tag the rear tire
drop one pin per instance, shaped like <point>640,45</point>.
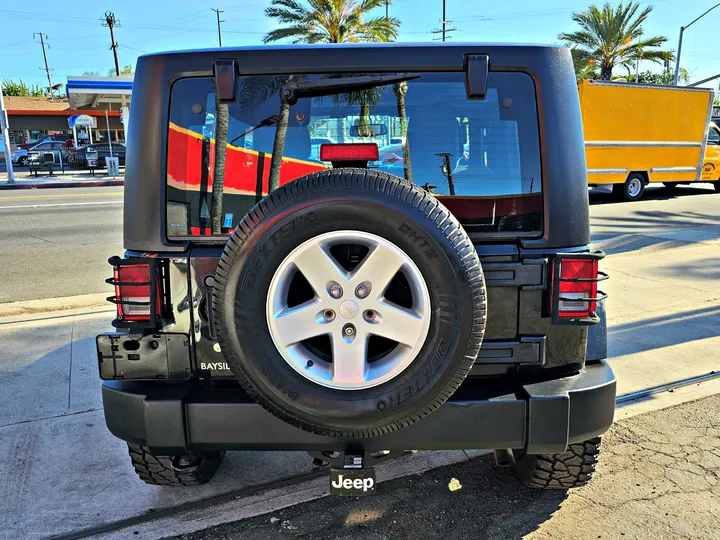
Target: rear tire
<point>570,469</point>
<point>190,470</point>
<point>632,189</point>
<point>716,185</point>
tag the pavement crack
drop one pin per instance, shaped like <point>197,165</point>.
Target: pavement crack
<point>48,418</point>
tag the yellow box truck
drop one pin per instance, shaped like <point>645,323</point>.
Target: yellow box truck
<point>636,134</point>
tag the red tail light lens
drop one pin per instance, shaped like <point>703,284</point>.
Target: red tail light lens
<point>582,275</point>
<point>574,290</point>
<point>349,152</point>
<point>137,294</point>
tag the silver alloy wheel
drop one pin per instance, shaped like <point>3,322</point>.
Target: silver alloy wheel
<point>353,317</point>
<point>634,187</point>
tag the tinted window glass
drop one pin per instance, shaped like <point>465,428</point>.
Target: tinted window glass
<point>481,157</point>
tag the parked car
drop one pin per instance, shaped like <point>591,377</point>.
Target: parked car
<point>22,157</point>
<point>351,313</point>
<point>47,138</point>
<point>78,158</point>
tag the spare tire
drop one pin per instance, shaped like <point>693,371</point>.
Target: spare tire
<point>349,303</point>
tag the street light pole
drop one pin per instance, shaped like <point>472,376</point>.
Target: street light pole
<point>682,30</point>
<point>6,139</point>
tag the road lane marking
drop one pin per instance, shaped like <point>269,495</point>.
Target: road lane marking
<point>61,204</point>
<point>61,195</point>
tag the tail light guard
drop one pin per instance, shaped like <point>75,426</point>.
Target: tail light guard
<point>574,293</point>
<point>154,297</point>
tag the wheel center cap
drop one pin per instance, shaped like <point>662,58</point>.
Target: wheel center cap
<point>349,309</point>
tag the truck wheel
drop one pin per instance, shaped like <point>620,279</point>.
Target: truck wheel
<point>190,470</point>
<point>349,303</point>
<point>23,161</point>
<point>716,184</point>
<point>569,469</point>
<point>632,189</point>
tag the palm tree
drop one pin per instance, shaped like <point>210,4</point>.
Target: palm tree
<point>330,21</point>
<point>325,21</point>
<point>222,123</point>
<point>400,90</point>
<point>613,36</point>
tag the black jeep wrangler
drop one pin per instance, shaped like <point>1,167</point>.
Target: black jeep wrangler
<point>420,279</point>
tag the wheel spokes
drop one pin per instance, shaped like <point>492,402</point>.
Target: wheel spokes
<point>378,267</point>
<point>397,323</point>
<point>296,324</point>
<point>349,359</point>
<point>319,267</point>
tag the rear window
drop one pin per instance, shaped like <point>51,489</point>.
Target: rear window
<point>480,157</point>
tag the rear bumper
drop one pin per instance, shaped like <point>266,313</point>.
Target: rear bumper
<point>544,417</point>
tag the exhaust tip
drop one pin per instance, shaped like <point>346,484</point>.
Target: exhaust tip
<point>504,457</point>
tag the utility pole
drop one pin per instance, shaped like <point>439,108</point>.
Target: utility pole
<point>6,138</point>
<point>218,12</point>
<point>43,37</point>
<point>387,9</point>
<point>445,28</point>
<point>111,22</point>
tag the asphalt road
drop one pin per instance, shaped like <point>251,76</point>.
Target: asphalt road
<point>56,242</point>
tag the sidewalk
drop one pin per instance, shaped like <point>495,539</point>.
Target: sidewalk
<point>25,180</point>
<point>658,478</point>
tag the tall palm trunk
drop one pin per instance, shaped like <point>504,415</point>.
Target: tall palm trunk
<point>400,90</point>
<point>279,146</point>
<point>222,121</point>
<point>606,71</point>
<point>341,130</point>
<point>364,120</point>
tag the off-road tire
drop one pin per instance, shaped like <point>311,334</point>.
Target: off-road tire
<point>570,469</point>
<point>159,470</point>
<point>389,207</point>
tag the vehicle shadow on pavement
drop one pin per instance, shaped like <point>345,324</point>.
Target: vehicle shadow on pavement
<point>653,193</point>
<point>664,330</point>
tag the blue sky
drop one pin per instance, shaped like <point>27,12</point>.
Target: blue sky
<point>79,43</point>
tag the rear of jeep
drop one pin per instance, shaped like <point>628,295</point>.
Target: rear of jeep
<point>365,297</point>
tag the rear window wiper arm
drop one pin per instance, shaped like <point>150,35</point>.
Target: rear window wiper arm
<point>293,91</point>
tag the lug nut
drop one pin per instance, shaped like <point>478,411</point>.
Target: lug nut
<point>362,291</point>
<point>349,330</point>
<point>370,315</point>
<point>335,290</point>
<point>329,315</point>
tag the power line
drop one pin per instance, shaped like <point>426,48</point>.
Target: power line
<point>43,37</point>
<point>218,12</point>
<point>446,25</point>
<point>111,22</point>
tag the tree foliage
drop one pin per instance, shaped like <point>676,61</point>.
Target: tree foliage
<point>612,36</point>
<point>330,21</point>
<point>20,88</point>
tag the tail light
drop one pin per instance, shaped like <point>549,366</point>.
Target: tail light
<point>574,288</point>
<point>356,152</point>
<point>138,296</point>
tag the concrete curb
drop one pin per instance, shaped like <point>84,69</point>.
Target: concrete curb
<point>71,184</point>
<point>29,307</point>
